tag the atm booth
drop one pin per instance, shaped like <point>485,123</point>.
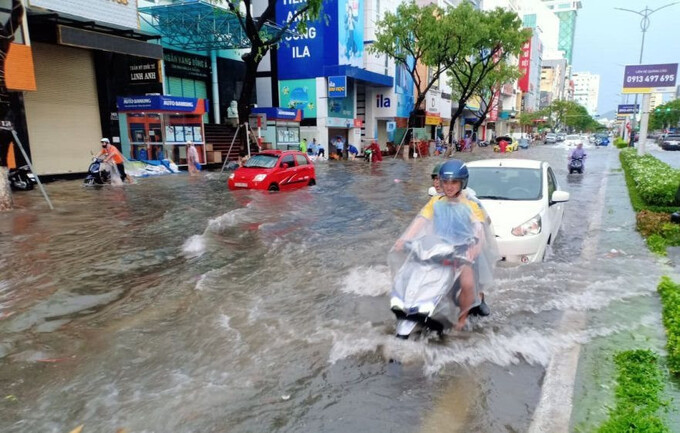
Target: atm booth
<point>157,127</point>
<point>278,127</point>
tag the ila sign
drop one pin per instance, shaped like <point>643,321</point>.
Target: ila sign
<point>337,86</point>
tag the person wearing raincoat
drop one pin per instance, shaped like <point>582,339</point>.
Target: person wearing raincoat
<point>457,218</point>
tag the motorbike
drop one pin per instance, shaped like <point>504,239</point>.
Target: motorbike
<point>426,286</point>
<point>483,143</point>
<point>98,173</point>
<point>21,179</point>
<point>576,165</point>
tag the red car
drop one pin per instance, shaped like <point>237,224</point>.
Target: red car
<point>274,170</point>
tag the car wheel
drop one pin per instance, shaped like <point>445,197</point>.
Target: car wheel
<point>312,182</point>
<point>273,187</point>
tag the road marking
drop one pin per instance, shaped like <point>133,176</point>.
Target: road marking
<point>553,412</point>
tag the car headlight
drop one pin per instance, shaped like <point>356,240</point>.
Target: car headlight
<point>259,178</point>
<point>231,176</point>
<point>529,228</point>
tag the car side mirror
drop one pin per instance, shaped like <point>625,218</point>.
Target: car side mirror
<point>559,197</point>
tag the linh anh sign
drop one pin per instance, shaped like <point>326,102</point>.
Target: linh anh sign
<point>650,78</point>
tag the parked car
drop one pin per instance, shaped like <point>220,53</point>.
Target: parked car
<point>573,140</point>
<point>512,146</point>
<point>550,138</point>
<point>274,170</point>
<point>525,203</point>
<point>671,142</point>
<point>561,136</point>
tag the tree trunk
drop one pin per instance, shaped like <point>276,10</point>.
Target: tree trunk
<point>246,97</point>
<point>455,117</point>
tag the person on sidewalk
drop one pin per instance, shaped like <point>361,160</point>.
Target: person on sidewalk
<point>193,163</point>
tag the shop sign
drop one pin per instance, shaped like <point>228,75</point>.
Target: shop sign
<point>650,78</point>
<point>144,71</point>
<point>432,119</point>
<point>276,113</point>
<point>183,65</point>
<point>525,66</point>
<point>118,12</point>
<point>391,126</point>
<point>628,109</point>
<point>158,103</point>
<point>432,98</point>
<point>337,86</point>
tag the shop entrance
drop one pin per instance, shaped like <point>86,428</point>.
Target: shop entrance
<point>333,135</point>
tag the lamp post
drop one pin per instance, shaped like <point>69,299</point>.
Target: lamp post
<point>644,25</point>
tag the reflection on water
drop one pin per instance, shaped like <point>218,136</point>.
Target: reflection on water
<point>176,305</point>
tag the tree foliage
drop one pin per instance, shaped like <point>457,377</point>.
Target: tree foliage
<point>665,116</point>
<point>568,115</point>
<point>491,38</point>
<point>416,36</point>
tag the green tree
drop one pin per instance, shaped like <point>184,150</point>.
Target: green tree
<point>501,74</point>
<point>7,32</point>
<point>665,116</point>
<point>261,41</point>
<point>420,38</point>
<point>489,38</point>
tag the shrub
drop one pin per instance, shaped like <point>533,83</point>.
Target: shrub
<point>639,385</point>
<point>620,143</point>
<point>649,223</point>
<point>657,244</point>
<point>670,300</point>
<point>655,182</point>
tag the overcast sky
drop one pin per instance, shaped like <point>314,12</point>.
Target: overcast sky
<point>606,39</point>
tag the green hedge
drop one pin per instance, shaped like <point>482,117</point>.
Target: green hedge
<point>620,143</point>
<point>638,389</point>
<point>670,298</point>
<point>655,182</point>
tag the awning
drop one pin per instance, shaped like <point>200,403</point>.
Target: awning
<point>358,74</point>
<point>199,25</point>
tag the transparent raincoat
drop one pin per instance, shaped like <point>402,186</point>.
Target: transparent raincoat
<point>427,260</point>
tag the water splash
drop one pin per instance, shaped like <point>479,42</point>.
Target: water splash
<point>195,246</point>
<point>368,281</point>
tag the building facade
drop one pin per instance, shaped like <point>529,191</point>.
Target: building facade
<point>567,12</point>
<point>586,90</point>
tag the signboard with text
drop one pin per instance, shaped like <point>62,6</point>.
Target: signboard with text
<point>161,103</point>
<point>650,78</point>
<point>524,66</point>
<point>337,86</point>
<point>119,12</point>
<point>628,109</point>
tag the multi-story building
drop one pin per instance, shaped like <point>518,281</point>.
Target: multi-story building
<point>586,90</point>
<point>655,99</point>
<point>567,12</point>
<point>553,81</point>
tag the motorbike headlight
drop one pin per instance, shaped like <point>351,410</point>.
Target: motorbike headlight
<point>231,176</point>
<point>529,228</point>
<point>259,178</point>
<point>426,308</point>
<point>396,303</point>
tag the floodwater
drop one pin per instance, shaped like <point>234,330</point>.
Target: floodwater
<point>174,305</point>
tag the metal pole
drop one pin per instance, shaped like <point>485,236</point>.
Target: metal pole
<point>28,161</point>
<point>226,157</point>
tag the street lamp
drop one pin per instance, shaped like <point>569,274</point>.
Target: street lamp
<point>644,25</point>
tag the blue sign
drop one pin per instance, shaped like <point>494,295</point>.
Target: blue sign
<point>337,87</point>
<point>628,109</point>
<point>350,32</point>
<point>160,103</point>
<point>278,113</point>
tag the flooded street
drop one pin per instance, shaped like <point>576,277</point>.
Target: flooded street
<point>175,305</point>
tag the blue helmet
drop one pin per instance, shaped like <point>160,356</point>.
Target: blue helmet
<point>454,169</point>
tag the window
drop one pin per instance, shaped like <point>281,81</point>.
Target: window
<point>301,160</point>
<point>552,183</point>
<point>288,159</point>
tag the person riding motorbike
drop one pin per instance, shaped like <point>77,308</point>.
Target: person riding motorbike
<point>577,153</point>
<point>457,219</point>
<point>436,188</point>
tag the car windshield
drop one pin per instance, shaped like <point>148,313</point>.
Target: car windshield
<point>506,183</point>
<point>673,137</point>
<point>573,137</point>
<point>550,134</point>
<point>262,161</point>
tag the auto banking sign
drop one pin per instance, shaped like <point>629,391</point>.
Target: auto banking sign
<point>118,12</point>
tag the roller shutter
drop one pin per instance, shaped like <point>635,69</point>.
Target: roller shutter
<point>63,114</point>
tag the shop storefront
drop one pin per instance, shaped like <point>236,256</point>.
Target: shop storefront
<point>280,128</point>
<point>188,75</point>
<point>159,127</point>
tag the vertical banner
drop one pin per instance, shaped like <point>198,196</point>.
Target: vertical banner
<point>493,113</point>
<point>350,32</point>
<point>525,66</point>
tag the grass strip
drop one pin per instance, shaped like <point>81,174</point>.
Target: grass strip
<point>670,300</point>
<point>638,389</point>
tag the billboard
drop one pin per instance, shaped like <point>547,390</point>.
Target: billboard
<point>650,78</point>
<point>350,33</point>
<point>300,95</point>
<point>118,12</point>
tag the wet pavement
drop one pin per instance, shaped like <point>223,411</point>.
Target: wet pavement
<point>176,305</point>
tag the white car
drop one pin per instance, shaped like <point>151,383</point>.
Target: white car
<point>525,203</point>
<point>573,140</point>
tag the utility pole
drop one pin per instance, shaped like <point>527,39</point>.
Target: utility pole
<point>644,26</point>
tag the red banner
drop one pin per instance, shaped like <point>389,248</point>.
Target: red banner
<point>493,113</point>
<point>524,66</point>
